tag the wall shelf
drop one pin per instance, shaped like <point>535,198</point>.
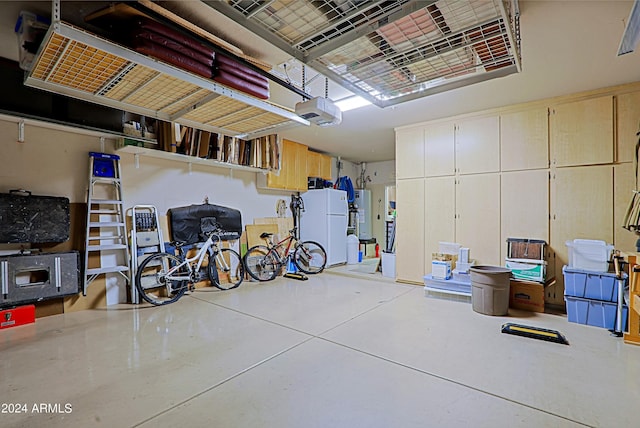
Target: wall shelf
<point>81,65</point>
<point>193,160</point>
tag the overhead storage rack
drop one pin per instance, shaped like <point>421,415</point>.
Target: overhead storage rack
<point>390,51</point>
<point>76,63</point>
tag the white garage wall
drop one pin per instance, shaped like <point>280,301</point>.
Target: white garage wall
<point>168,184</point>
<point>54,162</point>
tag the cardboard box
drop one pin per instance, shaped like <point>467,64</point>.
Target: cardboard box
<point>440,269</point>
<point>519,248</point>
<point>444,257</point>
<point>526,295</point>
<point>526,269</point>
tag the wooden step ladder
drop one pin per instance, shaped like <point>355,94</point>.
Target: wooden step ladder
<point>106,232</point>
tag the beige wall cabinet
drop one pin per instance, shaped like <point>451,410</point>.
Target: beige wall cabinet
<point>410,153</point>
<point>628,124</point>
<point>318,165</point>
<point>410,230</point>
<point>623,184</point>
<point>524,206</point>
<point>439,150</point>
<point>524,141</point>
<point>293,169</point>
<point>581,207</point>
<point>478,216</point>
<point>478,145</point>
<point>581,132</point>
<point>440,211</point>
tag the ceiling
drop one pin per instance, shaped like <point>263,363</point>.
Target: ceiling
<point>566,47</point>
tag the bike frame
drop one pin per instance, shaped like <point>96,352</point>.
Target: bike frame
<point>189,260</point>
<point>280,244</point>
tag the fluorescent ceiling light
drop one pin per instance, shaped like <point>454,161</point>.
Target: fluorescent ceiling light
<point>631,32</point>
<point>351,103</point>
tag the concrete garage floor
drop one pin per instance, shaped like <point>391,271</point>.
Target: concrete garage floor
<point>333,351</point>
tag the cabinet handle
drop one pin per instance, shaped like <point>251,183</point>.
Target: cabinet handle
<point>4,277</point>
<point>57,273</point>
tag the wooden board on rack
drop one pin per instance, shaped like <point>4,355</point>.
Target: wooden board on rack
<point>255,230</point>
<point>285,224</point>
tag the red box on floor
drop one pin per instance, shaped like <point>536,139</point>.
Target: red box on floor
<point>17,316</point>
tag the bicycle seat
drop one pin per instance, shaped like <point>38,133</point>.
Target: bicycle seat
<point>264,235</point>
<point>178,244</point>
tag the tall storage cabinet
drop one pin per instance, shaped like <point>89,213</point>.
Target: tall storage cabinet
<point>460,167</point>
<point>478,145</point>
<point>440,212</point>
<point>439,150</point>
<point>410,230</point>
<point>553,170</point>
<point>410,153</point>
<point>524,204</point>
<point>478,216</point>
<point>524,140</point>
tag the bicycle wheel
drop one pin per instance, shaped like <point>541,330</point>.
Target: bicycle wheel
<point>261,263</point>
<point>310,257</point>
<point>226,270</point>
<point>152,283</point>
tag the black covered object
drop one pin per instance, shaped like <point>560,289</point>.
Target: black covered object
<point>189,223</point>
<point>26,218</point>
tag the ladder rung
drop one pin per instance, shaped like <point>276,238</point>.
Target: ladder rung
<point>105,202</point>
<point>104,237</point>
<point>109,180</point>
<point>106,247</point>
<point>106,224</point>
<point>108,269</point>
<point>104,211</point>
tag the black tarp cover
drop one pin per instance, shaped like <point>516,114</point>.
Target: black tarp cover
<point>187,224</point>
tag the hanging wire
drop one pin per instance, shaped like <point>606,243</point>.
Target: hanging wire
<point>286,73</point>
<point>304,78</point>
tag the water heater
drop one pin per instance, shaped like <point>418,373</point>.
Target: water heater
<point>363,201</point>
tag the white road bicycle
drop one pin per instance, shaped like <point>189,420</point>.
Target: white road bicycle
<point>163,278</point>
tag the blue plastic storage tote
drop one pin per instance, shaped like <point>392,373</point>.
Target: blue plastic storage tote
<point>594,312</point>
<point>591,285</point>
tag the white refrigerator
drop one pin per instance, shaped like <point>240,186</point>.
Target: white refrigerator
<point>324,220</point>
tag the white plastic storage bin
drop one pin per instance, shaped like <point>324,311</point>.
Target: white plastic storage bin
<point>589,254</point>
<point>30,29</point>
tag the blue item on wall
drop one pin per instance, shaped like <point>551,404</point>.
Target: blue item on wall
<point>344,183</point>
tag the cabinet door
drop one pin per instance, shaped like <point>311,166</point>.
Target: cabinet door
<point>410,230</point>
<point>297,180</point>
<point>410,153</point>
<point>478,216</point>
<point>313,164</point>
<point>478,145</point>
<point>280,180</point>
<point>628,124</point>
<point>325,167</point>
<point>439,149</point>
<point>581,207</point>
<point>623,183</point>
<point>581,132</point>
<point>440,212</point>
<point>524,206</point>
<point>524,140</point>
